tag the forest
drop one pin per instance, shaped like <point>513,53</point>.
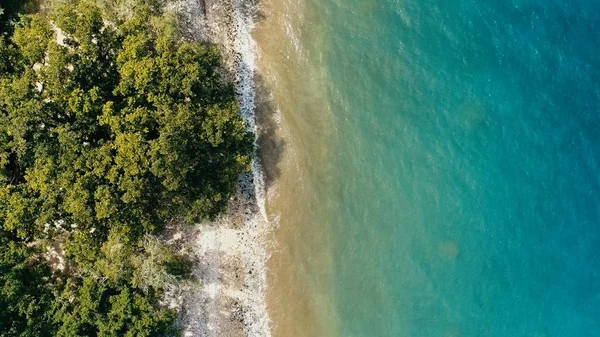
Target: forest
<point>111,127</point>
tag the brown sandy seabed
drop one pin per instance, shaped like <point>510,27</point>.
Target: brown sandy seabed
<point>294,152</point>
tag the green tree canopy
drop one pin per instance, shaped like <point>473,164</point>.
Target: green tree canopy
<point>25,293</point>
<point>10,10</point>
<point>106,126</point>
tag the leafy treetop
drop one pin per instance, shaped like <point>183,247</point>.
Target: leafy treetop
<point>106,126</point>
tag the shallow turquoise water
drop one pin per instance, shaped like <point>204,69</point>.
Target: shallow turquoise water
<point>465,199</point>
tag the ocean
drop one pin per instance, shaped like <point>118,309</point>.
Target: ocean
<point>434,168</point>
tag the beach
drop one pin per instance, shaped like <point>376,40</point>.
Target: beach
<point>249,262</point>
<point>422,169</point>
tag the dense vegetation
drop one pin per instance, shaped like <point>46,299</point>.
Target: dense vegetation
<point>11,9</point>
<point>109,129</point>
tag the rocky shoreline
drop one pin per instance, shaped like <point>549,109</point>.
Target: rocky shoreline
<point>229,254</point>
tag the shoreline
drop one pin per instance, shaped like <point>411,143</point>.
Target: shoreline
<point>296,161</point>
<point>230,254</point>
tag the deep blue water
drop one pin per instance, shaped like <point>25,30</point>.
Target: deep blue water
<point>466,197</point>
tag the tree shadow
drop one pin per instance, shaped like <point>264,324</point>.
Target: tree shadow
<point>12,9</point>
<point>270,144</point>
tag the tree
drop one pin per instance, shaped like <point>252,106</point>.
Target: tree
<point>124,125</point>
<point>25,297</point>
<point>93,307</point>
